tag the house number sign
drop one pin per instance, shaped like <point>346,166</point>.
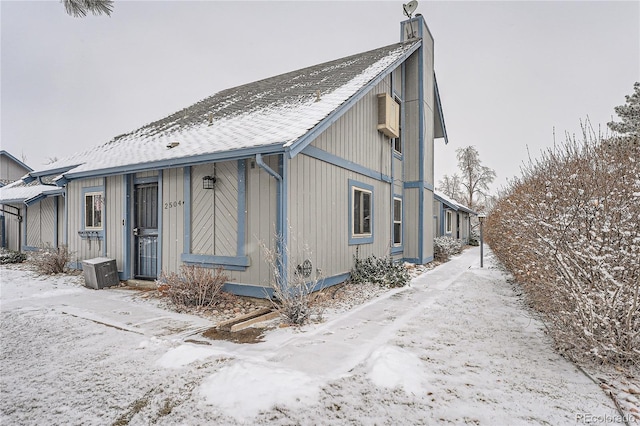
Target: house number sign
<point>172,204</point>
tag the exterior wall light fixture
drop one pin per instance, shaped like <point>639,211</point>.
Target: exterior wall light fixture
<point>208,182</point>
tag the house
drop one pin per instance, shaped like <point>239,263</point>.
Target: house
<point>451,218</point>
<point>12,209</point>
<point>317,165</point>
<point>33,215</point>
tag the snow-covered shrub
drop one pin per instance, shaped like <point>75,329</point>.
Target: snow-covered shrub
<point>379,270</point>
<point>11,256</point>
<point>51,260</point>
<point>569,231</point>
<point>474,238</point>
<point>193,286</point>
<point>444,247</point>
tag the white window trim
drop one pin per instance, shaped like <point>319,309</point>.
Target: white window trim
<point>93,194</point>
<point>448,219</point>
<point>353,212</point>
<point>395,222</point>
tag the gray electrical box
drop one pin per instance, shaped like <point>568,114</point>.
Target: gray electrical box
<point>100,272</point>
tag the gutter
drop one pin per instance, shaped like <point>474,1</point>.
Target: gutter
<point>281,240</point>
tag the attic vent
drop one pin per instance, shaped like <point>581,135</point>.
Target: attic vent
<point>388,116</point>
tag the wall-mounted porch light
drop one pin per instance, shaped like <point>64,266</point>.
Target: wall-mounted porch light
<point>208,182</point>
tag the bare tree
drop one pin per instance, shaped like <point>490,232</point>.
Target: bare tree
<point>475,177</point>
<point>80,8</point>
<point>450,186</point>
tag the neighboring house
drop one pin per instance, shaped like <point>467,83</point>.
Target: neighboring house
<point>319,165</point>
<point>11,170</point>
<point>34,214</point>
<point>451,218</point>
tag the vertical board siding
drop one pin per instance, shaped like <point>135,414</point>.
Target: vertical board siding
<point>172,218</point>
<point>61,202</point>
<point>33,225</point>
<point>12,228</point>
<point>261,222</point>
<point>202,214</point>
<point>81,248</point>
<point>355,137</point>
<point>320,231</point>
<point>47,222</point>
<point>214,226</point>
<point>114,218</point>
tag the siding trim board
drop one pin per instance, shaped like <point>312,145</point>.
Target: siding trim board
<point>299,145</point>
<point>264,292</point>
<point>322,155</point>
<point>240,262</point>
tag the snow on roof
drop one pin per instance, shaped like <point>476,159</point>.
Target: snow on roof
<point>275,111</point>
<point>18,191</point>
<point>452,203</point>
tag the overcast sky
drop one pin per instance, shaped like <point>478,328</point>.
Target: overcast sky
<point>508,72</point>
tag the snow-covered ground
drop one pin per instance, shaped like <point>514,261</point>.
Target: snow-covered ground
<point>457,346</point>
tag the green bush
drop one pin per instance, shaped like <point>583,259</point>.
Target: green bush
<point>11,256</point>
<point>379,270</point>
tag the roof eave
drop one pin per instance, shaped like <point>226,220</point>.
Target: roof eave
<point>303,141</point>
<point>441,128</point>
<point>229,155</point>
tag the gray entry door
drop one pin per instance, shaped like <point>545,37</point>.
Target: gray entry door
<point>145,231</point>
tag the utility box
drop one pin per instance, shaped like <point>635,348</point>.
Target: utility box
<point>100,272</point>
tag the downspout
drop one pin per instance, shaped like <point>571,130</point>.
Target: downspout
<point>280,220</point>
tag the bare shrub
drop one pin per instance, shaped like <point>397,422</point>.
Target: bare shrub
<point>444,247</point>
<point>292,291</point>
<point>193,286</point>
<point>569,231</point>
<point>51,260</point>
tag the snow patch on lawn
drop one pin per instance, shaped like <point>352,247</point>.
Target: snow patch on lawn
<point>392,367</point>
<point>185,355</point>
<point>257,387</point>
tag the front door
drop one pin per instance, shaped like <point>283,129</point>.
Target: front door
<point>145,231</point>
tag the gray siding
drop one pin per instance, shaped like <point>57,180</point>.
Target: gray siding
<point>79,247</point>
<point>12,227</point>
<point>354,136</point>
<point>114,216</point>
<point>9,170</point>
<point>319,209</point>
<point>40,224</point>
<point>261,222</point>
<point>172,230</point>
<point>214,213</point>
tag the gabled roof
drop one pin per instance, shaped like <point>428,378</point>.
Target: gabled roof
<point>452,204</point>
<point>266,116</point>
